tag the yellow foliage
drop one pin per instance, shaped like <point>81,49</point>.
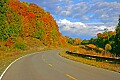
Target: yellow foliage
<point>101,49</point>
<point>82,50</point>
<point>92,46</point>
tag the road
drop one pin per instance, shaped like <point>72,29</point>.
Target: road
<point>48,65</point>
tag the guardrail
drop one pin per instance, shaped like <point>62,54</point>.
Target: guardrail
<point>101,58</point>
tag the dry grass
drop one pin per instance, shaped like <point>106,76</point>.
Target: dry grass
<point>113,67</point>
<point>78,49</point>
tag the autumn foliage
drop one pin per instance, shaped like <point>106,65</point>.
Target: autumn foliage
<point>24,20</point>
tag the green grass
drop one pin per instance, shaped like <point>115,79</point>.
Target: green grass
<point>20,46</point>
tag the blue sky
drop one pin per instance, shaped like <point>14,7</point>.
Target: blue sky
<point>82,18</point>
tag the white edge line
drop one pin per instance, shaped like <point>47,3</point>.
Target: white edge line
<point>13,63</point>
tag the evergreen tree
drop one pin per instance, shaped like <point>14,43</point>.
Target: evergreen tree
<point>117,39</point>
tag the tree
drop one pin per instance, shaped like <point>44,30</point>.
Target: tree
<point>118,31</point>
<point>119,19</point>
<point>108,47</point>
<point>3,18</point>
<point>70,41</point>
<point>77,41</point>
<point>117,38</point>
<point>85,42</point>
<point>27,20</point>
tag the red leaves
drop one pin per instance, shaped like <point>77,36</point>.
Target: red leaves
<point>34,17</point>
<point>99,34</point>
<point>105,35</point>
<point>45,20</point>
<point>31,15</point>
<point>9,42</point>
<point>14,4</point>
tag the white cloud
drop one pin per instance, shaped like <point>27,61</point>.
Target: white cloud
<point>106,12</point>
<point>84,10</point>
<point>96,15</point>
<point>67,1</point>
<point>66,13</point>
<point>80,29</point>
<point>100,23</point>
<point>75,10</point>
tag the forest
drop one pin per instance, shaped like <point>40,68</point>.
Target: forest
<point>24,25</point>
<point>21,22</point>
<point>108,40</point>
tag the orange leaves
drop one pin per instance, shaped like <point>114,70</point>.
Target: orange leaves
<point>45,20</point>
<point>9,42</point>
<point>31,15</point>
<point>105,35</point>
<point>33,20</point>
<point>92,46</point>
<point>74,48</point>
<point>13,5</point>
<point>77,41</point>
<point>29,26</point>
<point>17,6</point>
<point>99,34</point>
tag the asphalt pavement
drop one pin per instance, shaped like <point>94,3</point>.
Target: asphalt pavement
<point>48,65</point>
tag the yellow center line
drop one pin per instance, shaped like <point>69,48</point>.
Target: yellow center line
<point>71,77</point>
<point>50,65</point>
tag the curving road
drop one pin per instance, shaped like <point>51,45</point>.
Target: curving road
<point>48,65</point>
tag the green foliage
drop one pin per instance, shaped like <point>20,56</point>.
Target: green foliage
<point>85,42</point>
<point>54,32</point>
<point>108,47</point>
<point>20,19</point>
<point>70,41</point>
<point>20,46</point>
<point>7,49</point>
<point>10,26</point>
<point>118,32</point>
<point>39,34</point>
<point>117,39</point>
<point>3,6</point>
<point>75,41</point>
<point>26,4</point>
<point>105,38</point>
<point>3,18</point>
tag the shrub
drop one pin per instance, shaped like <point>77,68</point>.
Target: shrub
<point>8,49</point>
<point>108,47</point>
<point>91,46</point>
<point>20,46</point>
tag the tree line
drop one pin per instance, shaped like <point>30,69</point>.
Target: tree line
<point>108,40</point>
<point>22,20</point>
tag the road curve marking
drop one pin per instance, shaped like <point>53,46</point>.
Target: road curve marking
<point>43,58</point>
<point>13,63</point>
<point>71,77</point>
<point>50,65</point>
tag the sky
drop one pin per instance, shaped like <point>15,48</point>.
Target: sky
<point>82,18</point>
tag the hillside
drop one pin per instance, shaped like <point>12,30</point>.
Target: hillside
<point>24,25</point>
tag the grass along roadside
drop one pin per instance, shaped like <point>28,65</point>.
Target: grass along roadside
<point>113,67</point>
<point>7,58</point>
